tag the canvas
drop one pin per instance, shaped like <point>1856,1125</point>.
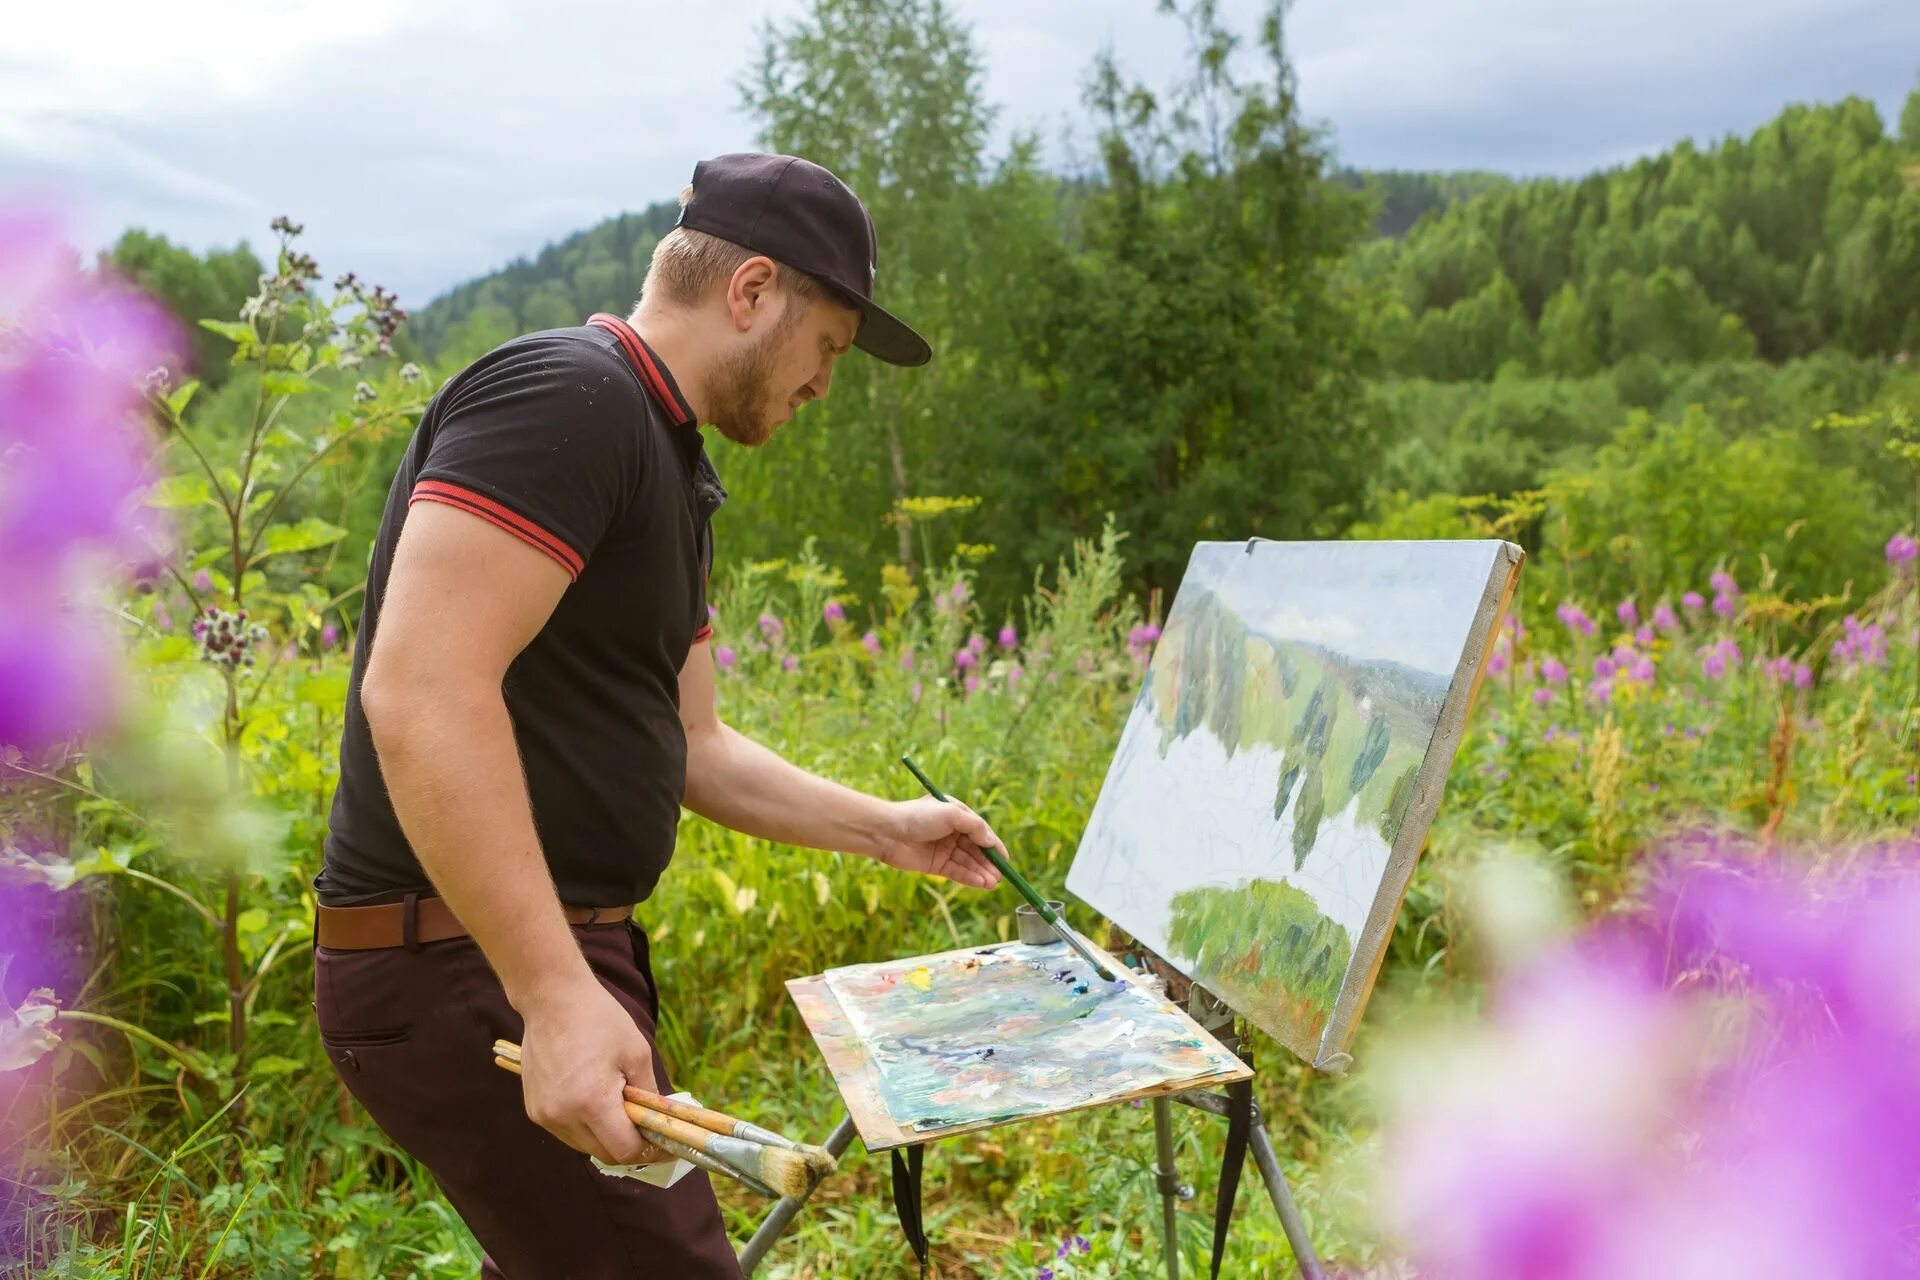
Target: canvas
<point>1009,1031</point>
<point>1275,778</point>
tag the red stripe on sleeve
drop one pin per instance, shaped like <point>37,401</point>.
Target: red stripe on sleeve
<point>493,513</point>
<point>703,634</point>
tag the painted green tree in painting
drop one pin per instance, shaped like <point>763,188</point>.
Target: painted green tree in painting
<point>1264,943</point>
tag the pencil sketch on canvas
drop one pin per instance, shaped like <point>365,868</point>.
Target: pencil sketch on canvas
<point>1260,817</point>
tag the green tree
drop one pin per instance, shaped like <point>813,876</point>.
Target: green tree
<point>193,287</point>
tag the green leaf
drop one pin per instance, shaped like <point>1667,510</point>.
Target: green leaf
<point>327,689</point>
<point>285,383</point>
<point>177,402</point>
<point>304,536</point>
<point>231,330</point>
<point>274,1065</point>
<point>252,920</point>
<point>171,493</point>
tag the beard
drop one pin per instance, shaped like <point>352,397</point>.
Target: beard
<point>742,410</point>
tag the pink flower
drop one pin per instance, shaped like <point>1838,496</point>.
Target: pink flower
<point>1664,618</point>
<point>789,663</point>
<point>1553,671</point>
<point>833,613</point>
<point>977,643</point>
<point>916,691</point>
<point>1726,605</point>
<point>1627,612</point>
<point>1901,549</point>
<point>1142,638</point>
<point>1014,673</point>
<point>725,657</point>
<point>1693,600</point>
<point>1496,662</point>
<point>1722,583</point>
<point>771,627</point>
<point>1600,690</point>
<point>1644,635</point>
<point>965,659</point>
<point>959,593</point>
<point>1009,638</point>
<point>203,581</point>
<point>329,636</point>
<point>713,611</point>
<point>971,684</point>
<point>1642,670</point>
<point>1603,667</point>
<point>906,660</point>
<point>1802,676</point>
<point>871,643</point>
<point>1542,696</point>
<point>1575,618</point>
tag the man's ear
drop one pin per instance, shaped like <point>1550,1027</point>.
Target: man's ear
<point>750,291</point>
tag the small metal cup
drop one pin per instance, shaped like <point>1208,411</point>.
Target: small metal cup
<point>1033,930</point>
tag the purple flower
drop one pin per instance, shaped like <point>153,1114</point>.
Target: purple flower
<point>1664,618</point>
<point>1693,600</point>
<point>959,593</point>
<point>971,684</point>
<point>1014,673</point>
<point>907,660</point>
<point>713,611</point>
<point>977,643</point>
<point>203,581</point>
<point>965,659</point>
<point>1726,605</point>
<point>871,643</point>
<point>1081,1246</point>
<point>725,657</point>
<point>329,636</point>
<point>1553,671</point>
<point>916,691</point>
<point>1496,662</point>
<point>1542,696</point>
<point>1780,669</point>
<point>1642,670</point>
<point>1142,638</point>
<point>1600,691</point>
<point>1901,549</point>
<point>1722,583</point>
<point>1802,676</point>
<point>771,627</point>
<point>789,663</point>
<point>1644,635</point>
<point>1717,658</point>
<point>1045,1273</point>
<point>1575,618</point>
<point>833,613</point>
<point>1009,638</point>
<point>1627,612</point>
<point>1603,667</point>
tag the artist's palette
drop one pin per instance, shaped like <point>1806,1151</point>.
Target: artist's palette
<point>972,1038</point>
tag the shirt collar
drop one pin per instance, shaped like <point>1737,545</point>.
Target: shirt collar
<point>649,367</point>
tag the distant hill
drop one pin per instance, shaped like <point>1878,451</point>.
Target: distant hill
<point>599,269</point>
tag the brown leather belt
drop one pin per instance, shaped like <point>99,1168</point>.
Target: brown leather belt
<point>417,920</point>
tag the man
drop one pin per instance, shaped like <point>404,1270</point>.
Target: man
<point>533,702</point>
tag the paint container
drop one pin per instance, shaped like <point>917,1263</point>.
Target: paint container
<point>1034,931</point>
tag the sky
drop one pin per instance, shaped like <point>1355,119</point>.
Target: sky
<point>425,142</point>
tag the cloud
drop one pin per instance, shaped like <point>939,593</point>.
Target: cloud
<point>424,142</point>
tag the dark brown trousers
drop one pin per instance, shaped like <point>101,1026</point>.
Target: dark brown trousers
<point>411,1033</point>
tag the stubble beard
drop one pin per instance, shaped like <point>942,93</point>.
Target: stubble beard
<point>740,400</point>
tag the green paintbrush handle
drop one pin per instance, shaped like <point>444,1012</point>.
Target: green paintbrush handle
<point>1019,882</point>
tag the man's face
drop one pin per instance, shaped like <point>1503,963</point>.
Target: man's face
<point>781,367</point>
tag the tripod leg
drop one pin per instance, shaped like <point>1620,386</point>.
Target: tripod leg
<point>788,1207</point>
<point>1290,1220</point>
<point>1168,1181</point>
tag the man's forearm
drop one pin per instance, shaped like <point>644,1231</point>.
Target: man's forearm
<point>450,765</point>
<point>741,784</point>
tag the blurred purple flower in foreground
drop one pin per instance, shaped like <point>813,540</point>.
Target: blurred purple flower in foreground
<point>871,643</point>
<point>1720,1086</point>
<point>75,352</point>
<point>833,612</point>
<point>1901,549</point>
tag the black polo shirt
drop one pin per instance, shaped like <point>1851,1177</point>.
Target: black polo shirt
<point>577,442</point>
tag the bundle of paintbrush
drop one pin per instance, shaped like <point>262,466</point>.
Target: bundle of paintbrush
<point>760,1158</point>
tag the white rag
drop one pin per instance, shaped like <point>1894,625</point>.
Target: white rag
<point>663,1173</point>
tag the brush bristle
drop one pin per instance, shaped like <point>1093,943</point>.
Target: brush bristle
<point>784,1171</point>
<point>819,1159</point>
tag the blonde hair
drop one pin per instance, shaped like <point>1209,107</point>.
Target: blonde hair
<point>689,264</point>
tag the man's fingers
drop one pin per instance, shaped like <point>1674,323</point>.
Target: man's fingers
<point>975,828</point>
<point>620,1137</point>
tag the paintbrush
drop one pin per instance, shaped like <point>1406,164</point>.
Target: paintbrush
<point>818,1159</point>
<point>1019,882</point>
<point>772,1171</point>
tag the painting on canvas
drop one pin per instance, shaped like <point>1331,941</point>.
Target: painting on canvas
<point>996,1033</point>
<point>1270,791</point>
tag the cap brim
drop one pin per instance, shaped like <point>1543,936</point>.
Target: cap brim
<point>883,336</point>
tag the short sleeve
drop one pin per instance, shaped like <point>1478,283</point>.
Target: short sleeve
<point>542,440</point>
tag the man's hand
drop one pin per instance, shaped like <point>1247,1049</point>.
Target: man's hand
<point>940,839</point>
<point>577,1053</point>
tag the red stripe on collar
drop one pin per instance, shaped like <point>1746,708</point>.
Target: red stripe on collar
<point>647,366</point>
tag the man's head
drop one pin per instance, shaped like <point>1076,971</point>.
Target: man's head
<point>770,270</point>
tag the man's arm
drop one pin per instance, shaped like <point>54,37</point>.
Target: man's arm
<point>741,784</point>
<point>462,600</point>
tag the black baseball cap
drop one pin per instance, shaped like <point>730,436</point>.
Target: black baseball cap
<point>798,213</point>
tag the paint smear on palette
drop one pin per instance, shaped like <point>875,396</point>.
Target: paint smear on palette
<point>1012,1031</point>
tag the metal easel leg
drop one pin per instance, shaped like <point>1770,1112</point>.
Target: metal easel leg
<point>788,1207</point>
<point>1290,1221</point>
<point>1168,1180</point>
